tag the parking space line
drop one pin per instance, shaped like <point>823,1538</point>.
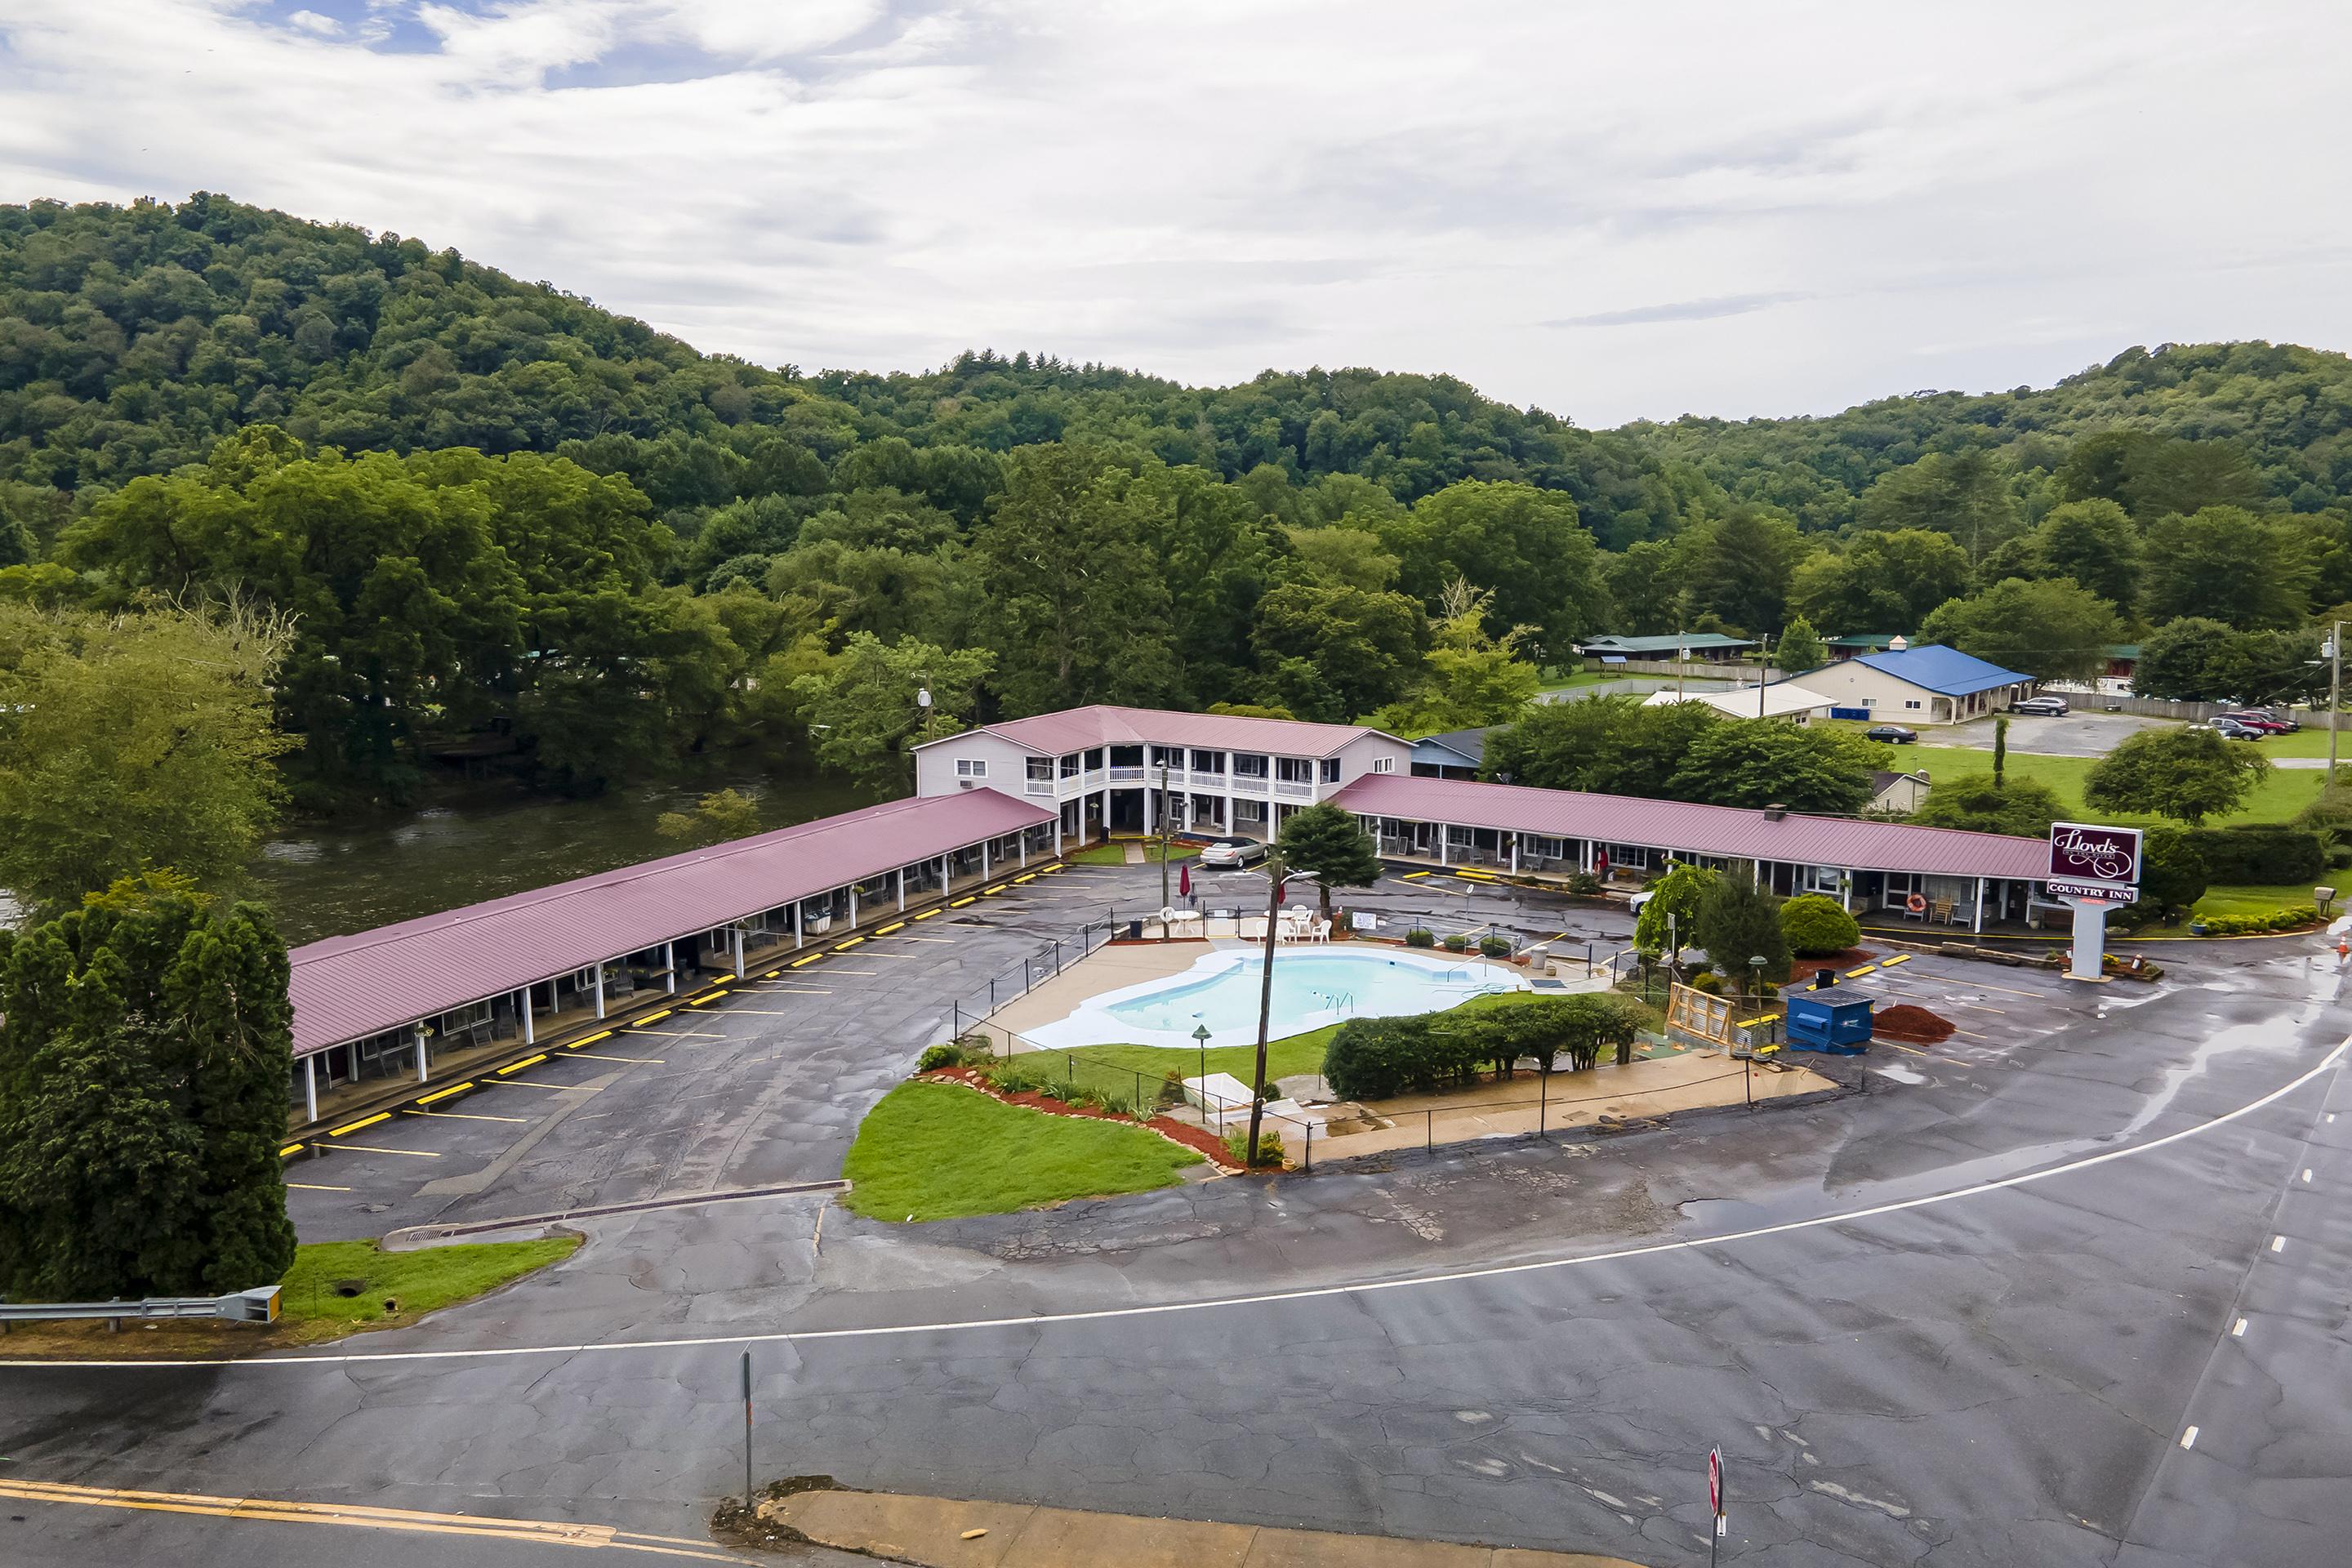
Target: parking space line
<point>632,1061</point>
<point>854,971</point>
<point>468,1116</point>
<point>376,1148</point>
<point>551,1088</point>
<point>315,1188</point>
<point>683,1034</point>
<point>943,941</point>
<point>774,1012</point>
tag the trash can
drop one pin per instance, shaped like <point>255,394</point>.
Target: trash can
<point>1819,1024</point>
<point>1135,931</point>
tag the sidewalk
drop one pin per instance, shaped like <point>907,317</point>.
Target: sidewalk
<point>942,1533</point>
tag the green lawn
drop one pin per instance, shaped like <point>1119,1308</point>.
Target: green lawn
<point>1554,680</point>
<point>2278,797</point>
<point>420,1281</point>
<point>2239,899</point>
<point>1114,854</point>
<point>1117,1067</point>
<point>939,1151</point>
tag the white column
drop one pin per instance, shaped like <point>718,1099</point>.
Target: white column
<point>739,952</point>
<point>796,925</point>
<point>1846,892</point>
<point>1976,924</point>
<point>1057,846</point>
<point>1587,855</point>
<point>310,1084</point>
<point>899,879</point>
<point>946,860</point>
<point>527,1037</point>
<point>669,967</point>
<point>419,1030</point>
<point>853,906</point>
<point>1515,853</point>
<point>1151,810</point>
<point>983,863</point>
<point>600,988</point>
<point>1020,845</point>
<point>1445,844</point>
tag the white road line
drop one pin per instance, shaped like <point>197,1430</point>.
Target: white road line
<point>1310,1293</point>
<point>2188,1438</point>
<point>2278,1244</point>
<point>2237,1330</point>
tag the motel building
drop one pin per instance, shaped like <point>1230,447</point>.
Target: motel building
<point>1126,770</point>
<point>431,999</point>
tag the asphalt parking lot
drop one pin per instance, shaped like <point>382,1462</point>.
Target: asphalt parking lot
<point>2077,735</point>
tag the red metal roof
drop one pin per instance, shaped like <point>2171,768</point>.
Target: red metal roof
<point>1720,830</point>
<point>1076,729</point>
<point>348,987</point>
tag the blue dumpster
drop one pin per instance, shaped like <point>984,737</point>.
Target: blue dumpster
<point>1827,1021</point>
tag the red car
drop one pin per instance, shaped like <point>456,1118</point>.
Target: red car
<point>2253,720</point>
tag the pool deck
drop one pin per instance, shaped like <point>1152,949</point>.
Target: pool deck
<point>1132,963</point>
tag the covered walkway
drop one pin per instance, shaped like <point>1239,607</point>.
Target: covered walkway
<point>1960,878</point>
<point>446,992</point>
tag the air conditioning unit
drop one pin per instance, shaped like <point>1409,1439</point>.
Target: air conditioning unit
<point>967,783</point>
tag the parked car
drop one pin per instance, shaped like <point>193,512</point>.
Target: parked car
<point>2237,731</point>
<point>1893,734</point>
<point>1230,854</point>
<point>2256,718</point>
<point>2044,707</point>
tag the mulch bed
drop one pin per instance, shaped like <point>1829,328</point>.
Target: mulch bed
<point>1916,1025</point>
<point>1197,1139</point>
<point>1803,968</point>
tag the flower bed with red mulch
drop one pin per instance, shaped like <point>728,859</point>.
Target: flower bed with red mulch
<point>1916,1025</point>
<point>1199,1140</point>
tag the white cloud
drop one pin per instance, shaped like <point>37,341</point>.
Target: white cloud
<point>312,22</point>
<point>1609,210</point>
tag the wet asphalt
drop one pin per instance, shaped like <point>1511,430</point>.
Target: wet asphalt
<point>1997,1374</point>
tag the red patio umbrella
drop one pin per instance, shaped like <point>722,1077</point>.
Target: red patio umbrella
<point>1184,879</point>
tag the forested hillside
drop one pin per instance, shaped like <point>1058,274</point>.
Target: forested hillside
<point>508,524</point>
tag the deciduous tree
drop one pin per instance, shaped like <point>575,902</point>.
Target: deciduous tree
<point>2186,773</point>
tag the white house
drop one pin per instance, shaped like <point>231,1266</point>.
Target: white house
<point>1932,685</point>
<point>1118,770</point>
<point>1781,699</point>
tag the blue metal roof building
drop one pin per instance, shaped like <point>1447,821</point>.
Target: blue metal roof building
<point>1931,685</point>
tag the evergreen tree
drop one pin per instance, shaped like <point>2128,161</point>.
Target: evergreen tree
<point>1801,648</point>
<point>143,1069</point>
<point>1737,921</point>
<point>1328,840</point>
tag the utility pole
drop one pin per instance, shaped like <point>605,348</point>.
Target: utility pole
<point>1163,839</point>
<point>1763,669</point>
<point>1682,657</point>
<point>1276,873</point>
<point>2335,691</point>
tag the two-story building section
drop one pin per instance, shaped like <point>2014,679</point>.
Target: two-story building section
<point>1120,770</point>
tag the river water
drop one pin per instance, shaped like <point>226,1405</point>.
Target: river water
<point>328,881</point>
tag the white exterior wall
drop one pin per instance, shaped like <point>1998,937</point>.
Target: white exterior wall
<point>1355,760</point>
<point>1850,683</point>
<point>1008,765</point>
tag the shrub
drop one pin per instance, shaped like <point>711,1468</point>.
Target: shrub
<point>1583,884</point>
<point>1495,946</point>
<point>1457,941</point>
<point>1815,925</point>
<point>1269,1147</point>
<point>2256,925</point>
<point>1418,937</point>
<point>939,1057</point>
<point>2260,854</point>
<point>1710,984</point>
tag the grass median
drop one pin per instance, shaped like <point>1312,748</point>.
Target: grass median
<point>2277,797</point>
<point>939,1150</point>
<point>1115,853</point>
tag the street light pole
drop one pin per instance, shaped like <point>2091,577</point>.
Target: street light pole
<point>1165,902</point>
<point>2335,691</point>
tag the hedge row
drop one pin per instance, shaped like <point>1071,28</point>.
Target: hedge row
<point>2255,925</point>
<point>1373,1058</point>
<point>2261,854</point>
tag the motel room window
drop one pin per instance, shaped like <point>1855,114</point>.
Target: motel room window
<point>1248,766</point>
<point>1542,848</point>
<point>1329,770</point>
<point>1292,770</point>
<point>1208,762</point>
<point>1041,770</point>
<point>1093,759</point>
<point>972,768</point>
<point>1253,811</point>
<point>1167,757</point>
<point>1384,764</point>
<point>1070,766</point>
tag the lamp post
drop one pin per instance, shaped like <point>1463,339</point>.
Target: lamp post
<point>922,733</point>
<point>1200,1033</point>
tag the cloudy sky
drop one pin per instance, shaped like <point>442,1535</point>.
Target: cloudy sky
<point>1612,210</point>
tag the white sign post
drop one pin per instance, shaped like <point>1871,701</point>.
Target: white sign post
<point>2093,868</point>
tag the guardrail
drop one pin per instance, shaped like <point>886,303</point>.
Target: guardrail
<point>255,1306</point>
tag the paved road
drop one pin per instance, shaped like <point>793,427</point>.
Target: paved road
<point>2001,1377</point>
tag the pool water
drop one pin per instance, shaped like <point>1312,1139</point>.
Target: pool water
<point>1310,990</point>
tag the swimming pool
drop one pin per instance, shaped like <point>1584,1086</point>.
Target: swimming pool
<point>1310,989</point>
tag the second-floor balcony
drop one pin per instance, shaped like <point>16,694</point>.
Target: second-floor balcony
<point>1298,789</point>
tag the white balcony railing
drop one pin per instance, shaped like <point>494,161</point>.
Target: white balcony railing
<point>1246,784</point>
<point>1127,775</point>
<point>1038,786</point>
<point>1285,786</point>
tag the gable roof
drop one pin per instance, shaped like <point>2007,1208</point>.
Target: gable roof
<point>1077,729</point>
<point>1730,832</point>
<point>1945,671</point>
<point>348,987</point>
<point>1782,697</point>
<point>1470,745</point>
<point>1667,642</point>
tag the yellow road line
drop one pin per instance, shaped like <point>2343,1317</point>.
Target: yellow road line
<point>1898,958</point>
<point>771,975</point>
<point>1858,973</point>
<point>363,1121</point>
<point>445,1093</point>
<point>706,997</point>
<point>845,946</point>
<point>655,1017</point>
<point>927,914</point>
<point>518,1067</point>
<point>379,1148</point>
<point>998,889</point>
<point>291,1149</point>
<point>961,902</point>
<point>895,925</point>
<point>468,1116</point>
<point>1025,877</point>
<point>314,1187</point>
<point>590,1040</point>
<point>804,963</point>
<point>551,1088</point>
<point>1412,876</point>
<point>271,1510</point>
